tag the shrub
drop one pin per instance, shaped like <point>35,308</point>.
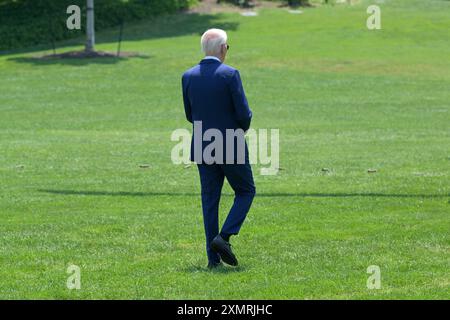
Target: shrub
<point>36,22</point>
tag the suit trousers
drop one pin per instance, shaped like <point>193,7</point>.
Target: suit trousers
<point>240,178</point>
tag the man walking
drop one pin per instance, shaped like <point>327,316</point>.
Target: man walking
<point>215,102</point>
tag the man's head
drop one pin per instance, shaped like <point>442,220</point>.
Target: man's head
<point>214,43</point>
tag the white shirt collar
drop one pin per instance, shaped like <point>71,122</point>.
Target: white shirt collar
<point>212,57</point>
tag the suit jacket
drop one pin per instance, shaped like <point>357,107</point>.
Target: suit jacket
<point>213,94</point>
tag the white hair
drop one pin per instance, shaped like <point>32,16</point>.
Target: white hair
<point>212,40</point>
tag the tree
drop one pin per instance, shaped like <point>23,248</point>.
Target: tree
<point>90,30</point>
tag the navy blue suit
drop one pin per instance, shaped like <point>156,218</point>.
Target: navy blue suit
<point>213,94</point>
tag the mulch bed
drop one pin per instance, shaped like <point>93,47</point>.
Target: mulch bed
<point>88,55</point>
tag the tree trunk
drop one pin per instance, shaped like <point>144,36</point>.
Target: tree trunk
<point>90,31</point>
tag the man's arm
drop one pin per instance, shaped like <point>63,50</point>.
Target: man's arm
<point>243,112</point>
<point>187,103</point>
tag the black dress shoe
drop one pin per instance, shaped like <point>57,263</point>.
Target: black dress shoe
<point>223,248</point>
<point>214,265</point>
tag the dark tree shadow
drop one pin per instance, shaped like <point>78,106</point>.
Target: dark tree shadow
<point>268,195</point>
<point>169,26</point>
<point>45,60</point>
<point>166,26</point>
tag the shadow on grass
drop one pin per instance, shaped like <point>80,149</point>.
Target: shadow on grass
<point>166,26</point>
<point>219,270</point>
<point>44,61</point>
<point>269,195</point>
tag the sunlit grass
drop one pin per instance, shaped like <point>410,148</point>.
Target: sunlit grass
<point>73,135</point>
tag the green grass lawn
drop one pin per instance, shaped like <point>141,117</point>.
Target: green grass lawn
<point>74,132</point>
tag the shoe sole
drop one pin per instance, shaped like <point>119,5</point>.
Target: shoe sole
<point>225,256</point>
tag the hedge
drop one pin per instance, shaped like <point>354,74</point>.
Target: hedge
<point>25,23</point>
